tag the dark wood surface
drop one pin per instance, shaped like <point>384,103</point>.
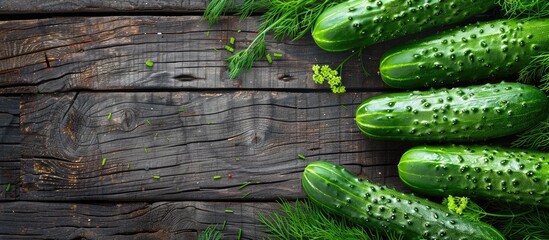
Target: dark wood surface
<point>109,53</point>
<point>66,66</point>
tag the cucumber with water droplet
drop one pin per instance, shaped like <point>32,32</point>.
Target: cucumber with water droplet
<point>495,173</point>
<point>337,190</point>
<point>467,54</point>
<point>359,23</point>
<point>470,113</point>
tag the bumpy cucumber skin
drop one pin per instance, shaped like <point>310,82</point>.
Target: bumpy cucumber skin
<point>512,175</point>
<point>360,23</point>
<point>339,191</point>
<point>459,114</point>
<point>478,51</point>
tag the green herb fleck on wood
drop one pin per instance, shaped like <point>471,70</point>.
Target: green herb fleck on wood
<point>231,40</point>
<point>301,156</point>
<point>109,116</point>
<point>156,177</point>
<point>224,224</point>
<point>216,177</point>
<point>8,187</point>
<point>149,63</point>
<point>244,185</point>
<point>245,195</point>
<point>229,48</point>
<point>269,59</point>
<point>278,55</point>
<point>239,234</point>
<point>148,122</point>
<point>103,161</point>
<point>229,211</point>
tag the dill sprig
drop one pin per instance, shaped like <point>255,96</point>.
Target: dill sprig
<point>536,138</point>
<point>536,70</point>
<point>525,8</point>
<point>528,222</point>
<point>215,9</point>
<point>515,222</point>
<point>304,220</point>
<point>210,233</point>
<point>286,19</point>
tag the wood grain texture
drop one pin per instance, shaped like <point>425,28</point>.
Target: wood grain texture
<point>10,148</point>
<point>96,6</point>
<point>158,220</point>
<point>187,138</point>
<point>109,53</point>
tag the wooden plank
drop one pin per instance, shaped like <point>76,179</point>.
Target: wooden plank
<point>159,220</point>
<point>9,7</point>
<point>187,138</point>
<point>10,148</point>
<point>109,53</point>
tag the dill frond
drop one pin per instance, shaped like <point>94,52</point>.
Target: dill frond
<point>285,19</point>
<point>210,233</point>
<point>305,220</point>
<point>525,8</point>
<point>536,138</point>
<point>215,9</point>
<point>528,222</point>
<point>537,69</point>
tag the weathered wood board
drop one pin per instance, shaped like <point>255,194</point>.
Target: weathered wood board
<point>10,7</point>
<point>158,220</point>
<point>10,148</point>
<point>187,138</point>
<point>109,53</point>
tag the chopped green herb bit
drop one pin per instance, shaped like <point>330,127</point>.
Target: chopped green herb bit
<point>181,109</point>
<point>129,166</point>
<point>277,54</point>
<point>239,234</point>
<point>168,139</point>
<point>148,122</point>
<point>146,150</point>
<point>229,48</point>
<point>103,161</point>
<point>229,211</point>
<point>109,116</point>
<point>149,63</point>
<point>238,30</point>
<point>245,195</point>
<point>301,156</point>
<point>216,177</point>
<point>224,224</point>
<point>244,185</point>
<point>8,187</point>
<point>156,177</point>
<point>269,59</point>
<point>207,33</point>
<point>231,40</point>
<point>237,158</point>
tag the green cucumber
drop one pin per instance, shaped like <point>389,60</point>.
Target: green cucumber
<point>360,23</point>
<point>490,49</point>
<point>509,174</point>
<point>459,114</point>
<point>339,191</point>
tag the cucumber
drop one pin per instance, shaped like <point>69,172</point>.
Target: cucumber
<point>337,190</point>
<point>360,23</point>
<point>509,174</point>
<point>459,114</point>
<point>490,49</point>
